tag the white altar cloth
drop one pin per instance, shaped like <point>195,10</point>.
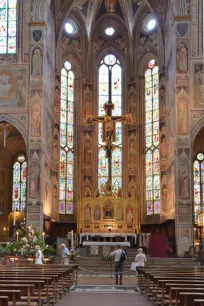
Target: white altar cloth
<point>99,243</point>
<point>108,235</point>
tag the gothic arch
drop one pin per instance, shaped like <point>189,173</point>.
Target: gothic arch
<point>18,125</point>
<point>106,51</point>
<point>143,64</point>
<point>197,127</point>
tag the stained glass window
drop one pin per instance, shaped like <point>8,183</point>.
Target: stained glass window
<point>198,179</point>
<point>110,73</point>
<point>19,184</point>
<point>152,155</point>
<point>66,171</point>
<point>8,26</point>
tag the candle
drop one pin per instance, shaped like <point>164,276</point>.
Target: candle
<point>43,234</point>
<point>14,218</point>
<point>17,233</point>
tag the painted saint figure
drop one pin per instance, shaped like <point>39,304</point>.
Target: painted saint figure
<point>87,213</point>
<point>37,63</point>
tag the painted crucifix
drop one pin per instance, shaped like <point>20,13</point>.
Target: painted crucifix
<point>109,126</point>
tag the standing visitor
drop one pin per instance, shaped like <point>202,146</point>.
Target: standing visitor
<point>140,258</point>
<point>38,256</point>
<point>65,254</point>
<point>120,257</point>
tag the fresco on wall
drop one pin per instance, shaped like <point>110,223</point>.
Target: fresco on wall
<point>199,84</point>
<point>182,110</point>
<point>13,84</point>
<point>34,180</point>
<point>36,63</point>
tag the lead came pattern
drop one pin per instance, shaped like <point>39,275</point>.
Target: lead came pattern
<point>198,188</point>
<point>110,63</point>
<point>152,161</point>
<point>66,171</point>
<point>19,184</point>
<point>8,26</point>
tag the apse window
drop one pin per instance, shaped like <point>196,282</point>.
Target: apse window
<point>198,186</point>
<point>71,28</point>
<point>109,31</point>
<point>149,24</point>
<point>67,152</point>
<point>19,183</point>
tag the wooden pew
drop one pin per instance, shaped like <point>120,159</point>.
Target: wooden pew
<point>26,290</point>
<point>187,298</point>
<point>13,295</point>
<point>198,302</point>
<point>3,300</point>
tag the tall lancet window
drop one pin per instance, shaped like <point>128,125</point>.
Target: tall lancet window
<point>66,171</point>
<point>198,176</point>
<point>19,183</point>
<point>152,155</point>
<point>8,26</point>
<point>110,90</point>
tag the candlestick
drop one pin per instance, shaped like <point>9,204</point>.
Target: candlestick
<point>14,218</point>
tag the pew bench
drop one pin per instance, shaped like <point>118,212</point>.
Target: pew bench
<point>187,298</point>
<point>3,300</point>
<point>198,302</point>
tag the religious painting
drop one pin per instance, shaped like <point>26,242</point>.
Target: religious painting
<point>36,120</point>
<point>119,212</point>
<point>116,185</point>
<point>182,58</point>
<point>13,84</point>
<point>87,153</point>
<point>132,152</point>
<point>34,180</point>
<point>132,106</point>
<point>199,84</point>
<point>87,213</point>
<point>37,62</point>
<point>182,110</point>
<point>56,148</point>
<point>97,213</point>
<point>87,103</point>
<point>184,182</point>
<point>163,146</point>
<point>110,5</point>
<point>129,213</point>
<point>108,210</point>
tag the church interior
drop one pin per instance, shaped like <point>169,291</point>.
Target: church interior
<point>102,119</point>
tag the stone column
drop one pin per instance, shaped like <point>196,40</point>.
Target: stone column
<point>35,152</point>
<point>183,160</point>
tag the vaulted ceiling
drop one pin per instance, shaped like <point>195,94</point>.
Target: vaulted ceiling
<point>90,11</point>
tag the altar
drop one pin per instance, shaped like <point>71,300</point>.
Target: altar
<point>98,237</point>
<point>96,248</point>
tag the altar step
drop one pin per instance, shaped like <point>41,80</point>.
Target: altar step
<point>95,265</point>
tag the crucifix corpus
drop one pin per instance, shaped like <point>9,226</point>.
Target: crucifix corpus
<point>109,128</point>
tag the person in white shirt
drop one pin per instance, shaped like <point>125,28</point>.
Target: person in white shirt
<point>118,265</point>
<point>65,254</point>
<point>140,258</point>
<point>38,256</point>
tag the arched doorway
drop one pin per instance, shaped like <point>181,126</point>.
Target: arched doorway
<point>12,179</point>
<point>198,186</point>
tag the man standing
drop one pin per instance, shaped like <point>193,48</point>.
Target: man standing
<point>120,257</point>
<point>65,254</point>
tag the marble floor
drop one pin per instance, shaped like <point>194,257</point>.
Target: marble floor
<point>95,291</point>
<point>99,299</point>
